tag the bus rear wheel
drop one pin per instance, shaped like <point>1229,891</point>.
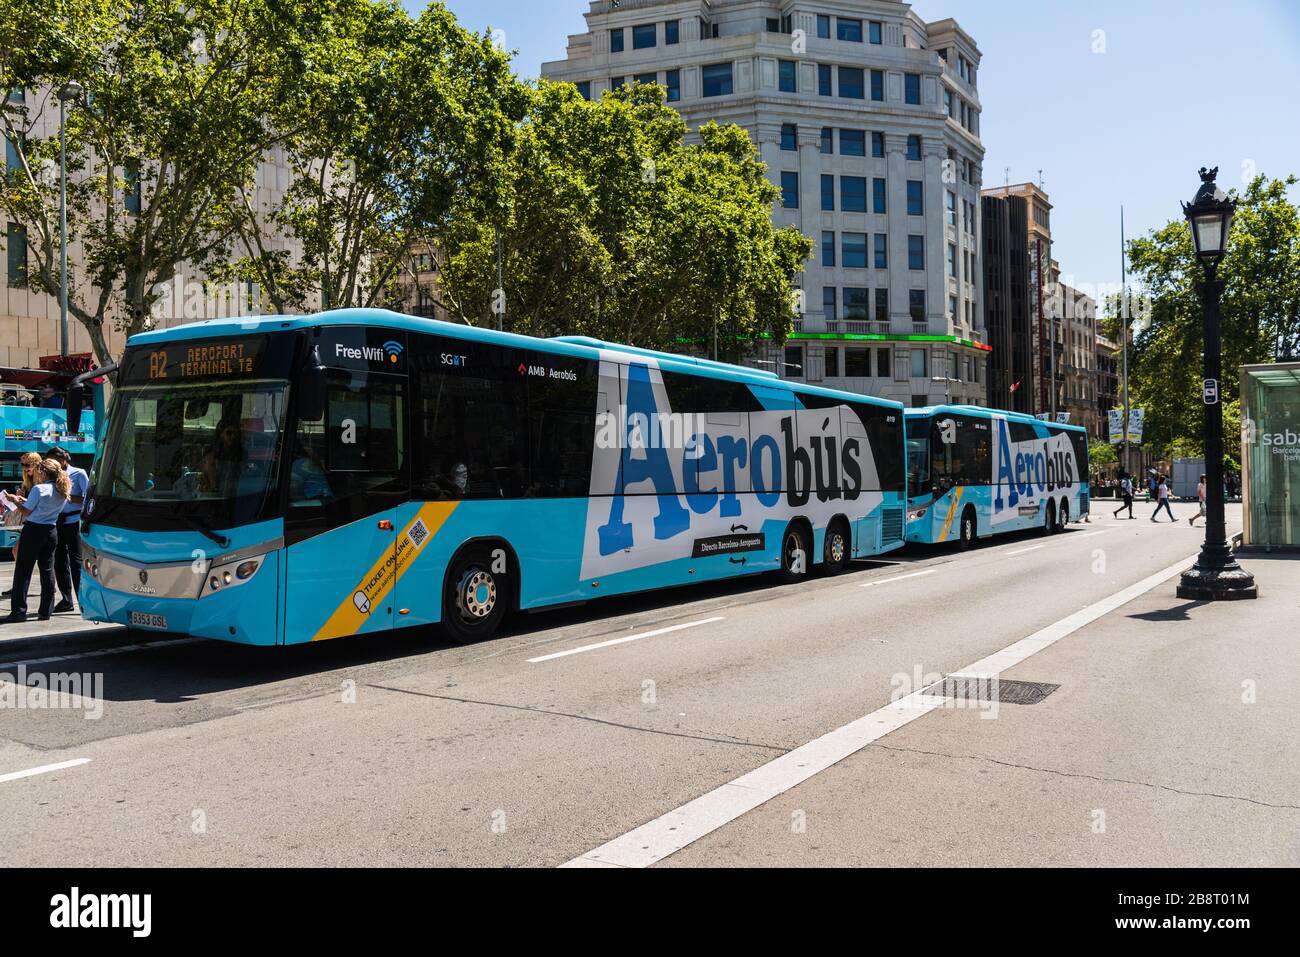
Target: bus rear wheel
<point>835,552</point>
<point>794,554</point>
<point>475,597</point>
<point>1049,523</point>
<point>968,531</point>
<point>1064,515</point>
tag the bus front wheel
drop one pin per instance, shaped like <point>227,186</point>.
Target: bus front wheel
<point>794,553</point>
<point>968,531</point>
<point>1049,523</point>
<point>475,598</point>
<point>1064,515</point>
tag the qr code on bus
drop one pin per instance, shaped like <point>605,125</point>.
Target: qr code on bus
<point>419,532</point>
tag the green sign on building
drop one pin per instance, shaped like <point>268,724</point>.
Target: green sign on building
<point>1270,454</point>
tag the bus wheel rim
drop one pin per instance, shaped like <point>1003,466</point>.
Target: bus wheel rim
<point>793,552</point>
<point>476,594</point>
<point>837,547</point>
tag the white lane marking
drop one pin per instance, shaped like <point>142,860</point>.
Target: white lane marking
<point>898,578</point>
<point>669,833</point>
<point>120,649</point>
<point>621,641</point>
<point>1095,534</point>
<point>1031,548</point>
<point>43,769</point>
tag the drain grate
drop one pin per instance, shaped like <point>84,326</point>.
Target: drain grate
<point>1001,690</point>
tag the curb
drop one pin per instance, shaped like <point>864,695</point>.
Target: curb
<point>69,642</point>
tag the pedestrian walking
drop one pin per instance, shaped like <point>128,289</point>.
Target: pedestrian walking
<point>1200,495</point>
<point>1162,499</point>
<point>1126,491</point>
<point>39,539</point>
<point>67,559</point>
<point>29,461</point>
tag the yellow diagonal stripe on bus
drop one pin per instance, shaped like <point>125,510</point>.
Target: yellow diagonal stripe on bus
<point>952,511</point>
<point>374,586</point>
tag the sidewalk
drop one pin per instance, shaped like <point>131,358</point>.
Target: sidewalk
<point>65,632</point>
<point>1170,742</point>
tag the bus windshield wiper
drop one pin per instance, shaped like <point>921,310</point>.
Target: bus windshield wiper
<point>201,526</point>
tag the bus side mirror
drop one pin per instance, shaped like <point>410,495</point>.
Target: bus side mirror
<point>76,399</point>
<point>311,385</point>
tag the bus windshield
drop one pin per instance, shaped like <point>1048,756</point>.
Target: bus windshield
<point>196,451</point>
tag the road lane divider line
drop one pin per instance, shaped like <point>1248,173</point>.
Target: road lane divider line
<point>624,640</point>
<point>669,833</point>
<point>1031,548</point>
<point>101,652</point>
<point>897,578</point>
<point>43,769</point>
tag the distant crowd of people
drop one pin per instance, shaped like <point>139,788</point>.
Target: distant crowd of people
<point>1158,491</point>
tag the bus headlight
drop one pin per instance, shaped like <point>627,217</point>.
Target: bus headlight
<point>233,574</point>
<point>918,513</point>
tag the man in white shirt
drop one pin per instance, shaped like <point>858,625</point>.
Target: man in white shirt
<point>67,559</point>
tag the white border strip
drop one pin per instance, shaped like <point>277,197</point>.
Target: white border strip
<point>43,769</point>
<point>622,641</point>
<point>669,833</point>
<point>898,578</point>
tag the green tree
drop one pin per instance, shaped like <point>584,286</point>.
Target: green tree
<point>1261,315</point>
<point>1101,455</point>
<point>389,120</point>
<point>172,120</point>
<point>608,224</point>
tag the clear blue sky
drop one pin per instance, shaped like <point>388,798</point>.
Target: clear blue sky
<point>1181,84</point>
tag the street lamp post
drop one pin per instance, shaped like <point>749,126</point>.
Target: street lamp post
<point>1216,576</point>
<point>67,93</point>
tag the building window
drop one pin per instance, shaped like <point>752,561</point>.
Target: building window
<point>854,248</point>
<point>878,85</point>
<point>916,304</point>
<point>915,197</point>
<point>851,83</point>
<point>790,190</point>
<point>882,363</point>
<point>645,36</point>
<point>853,142</point>
<point>13,162</point>
<point>786,80</point>
<point>881,255</point>
<point>952,208</point>
<point>848,30</point>
<point>672,32</point>
<point>823,80</point>
<point>857,363</point>
<point>853,194</point>
<point>828,248</point>
<point>912,88</point>
<point>616,40</point>
<point>828,192</point>
<point>878,196</point>
<point>828,139</point>
<point>673,80</point>
<point>131,188</point>
<point>947,101</point>
<point>920,363</point>
<point>615,82</point>
<point>914,147</point>
<point>952,270</point>
<point>717,79</point>
<point>855,303</point>
<point>952,303</point>
<point>794,361</point>
<point>830,303</point>
<point>584,89</point>
<point>823,27</point>
<point>16,254</point>
<point>878,145</point>
<point>651,78</point>
<point>874,32</point>
<point>915,252</point>
<point>789,137</point>
<point>882,305</point>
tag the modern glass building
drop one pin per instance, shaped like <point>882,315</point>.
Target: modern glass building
<point>1270,454</point>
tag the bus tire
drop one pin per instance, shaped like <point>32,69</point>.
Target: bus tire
<point>475,599</point>
<point>1063,515</point>
<point>968,532</point>
<point>836,548</point>
<point>1049,521</point>
<point>794,553</point>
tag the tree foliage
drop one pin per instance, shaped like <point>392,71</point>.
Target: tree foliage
<point>1261,315</point>
<point>609,224</point>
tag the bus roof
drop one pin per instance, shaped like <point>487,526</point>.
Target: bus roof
<point>577,346</point>
<point>981,412</point>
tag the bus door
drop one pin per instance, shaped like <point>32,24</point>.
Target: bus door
<point>349,473</point>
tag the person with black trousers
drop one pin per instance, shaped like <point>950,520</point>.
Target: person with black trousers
<point>67,560</point>
<point>1126,490</point>
<point>39,539</point>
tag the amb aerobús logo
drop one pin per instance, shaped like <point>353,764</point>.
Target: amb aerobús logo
<point>1025,473</point>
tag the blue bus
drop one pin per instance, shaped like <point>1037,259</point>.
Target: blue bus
<point>27,428</point>
<point>293,479</point>
<point>975,472</point>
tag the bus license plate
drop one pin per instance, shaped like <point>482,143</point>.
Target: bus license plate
<point>145,620</point>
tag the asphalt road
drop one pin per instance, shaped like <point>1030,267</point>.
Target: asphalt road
<point>405,751</point>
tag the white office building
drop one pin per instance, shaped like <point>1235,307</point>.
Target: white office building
<point>868,120</point>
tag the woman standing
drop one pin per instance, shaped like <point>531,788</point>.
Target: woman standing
<point>28,461</point>
<point>39,539</point>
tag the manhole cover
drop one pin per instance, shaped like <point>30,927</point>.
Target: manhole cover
<point>1001,690</point>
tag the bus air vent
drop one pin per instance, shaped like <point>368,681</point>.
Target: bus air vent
<point>891,525</point>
